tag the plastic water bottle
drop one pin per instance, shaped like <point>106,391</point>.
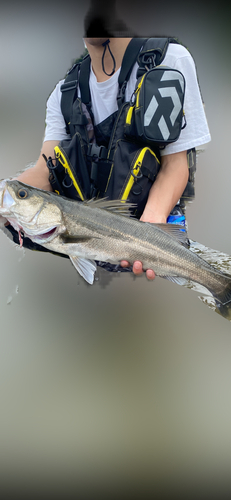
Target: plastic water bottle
<point>177,218</point>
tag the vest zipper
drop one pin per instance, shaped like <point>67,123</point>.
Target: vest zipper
<point>114,129</point>
<point>135,172</point>
<point>136,94</point>
<point>63,160</point>
<point>111,142</point>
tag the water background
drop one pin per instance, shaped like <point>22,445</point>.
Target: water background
<point>125,383</point>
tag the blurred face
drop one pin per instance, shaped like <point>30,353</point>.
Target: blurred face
<point>95,41</point>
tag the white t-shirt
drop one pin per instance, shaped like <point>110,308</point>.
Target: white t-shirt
<point>104,103</point>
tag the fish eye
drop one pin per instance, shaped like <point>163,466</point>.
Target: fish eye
<point>22,193</point>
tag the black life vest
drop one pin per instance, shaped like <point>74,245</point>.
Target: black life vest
<point>113,164</point>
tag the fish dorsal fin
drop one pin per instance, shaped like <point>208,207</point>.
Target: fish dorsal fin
<point>85,267</point>
<point>116,206</point>
<point>176,231</point>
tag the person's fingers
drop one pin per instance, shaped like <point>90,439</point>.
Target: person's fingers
<point>137,268</point>
<point>150,274</point>
<point>124,263</point>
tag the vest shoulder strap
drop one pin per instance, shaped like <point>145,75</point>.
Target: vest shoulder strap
<point>129,59</point>
<point>152,53</point>
<point>69,91</point>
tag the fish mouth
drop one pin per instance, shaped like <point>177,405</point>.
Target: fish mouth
<point>21,223</point>
<point>48,233</point>
<point>43,237</point>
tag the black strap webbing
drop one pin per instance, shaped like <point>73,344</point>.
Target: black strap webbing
<point>152,54</point>
<point>128,62</point>
<point>129,59</point>
<point>69,88</point>
<point>69,92</point>
<point>84,80</point>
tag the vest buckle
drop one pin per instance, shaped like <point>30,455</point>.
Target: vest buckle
<point>97,152</point>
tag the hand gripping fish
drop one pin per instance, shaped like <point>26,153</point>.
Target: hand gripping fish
<point>100,230</point>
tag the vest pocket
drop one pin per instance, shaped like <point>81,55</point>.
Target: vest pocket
<point>65,178</point>
<point>156,115</point>
<point>135,170</point>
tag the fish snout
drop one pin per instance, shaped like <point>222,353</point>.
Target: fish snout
<point>6,201</point>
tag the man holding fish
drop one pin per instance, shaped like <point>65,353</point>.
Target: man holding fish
<point>106,58</point>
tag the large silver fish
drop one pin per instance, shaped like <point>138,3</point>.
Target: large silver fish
<point>99,230</point>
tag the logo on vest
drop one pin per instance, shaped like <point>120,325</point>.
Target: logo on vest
<point>157,105</point>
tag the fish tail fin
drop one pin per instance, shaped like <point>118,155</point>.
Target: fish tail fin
<point>224,295</point>
<point>223,299</point>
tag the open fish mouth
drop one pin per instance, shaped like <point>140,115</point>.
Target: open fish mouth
<point>24,224</point>
<point>40,238</point>
<point>48,233</point>
<point>43,237</point>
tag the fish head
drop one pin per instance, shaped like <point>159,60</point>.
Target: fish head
<point>30,210</point>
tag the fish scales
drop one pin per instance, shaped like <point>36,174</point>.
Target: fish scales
<point>135,239</point>
<point>98,230</point>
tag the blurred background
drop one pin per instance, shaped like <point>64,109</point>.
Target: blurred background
<point>125,384</point>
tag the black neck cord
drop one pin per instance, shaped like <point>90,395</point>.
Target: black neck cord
<point>105,45</point>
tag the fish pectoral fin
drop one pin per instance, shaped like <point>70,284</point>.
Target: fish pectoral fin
<point>85,267</point>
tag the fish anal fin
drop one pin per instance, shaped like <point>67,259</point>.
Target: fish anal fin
<point>176,279</point>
